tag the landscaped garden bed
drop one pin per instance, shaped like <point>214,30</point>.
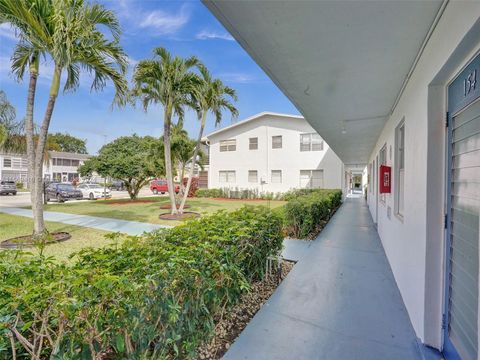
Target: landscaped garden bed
<point>229,324</point>
<point>28,241</point>
<point>156,296</point>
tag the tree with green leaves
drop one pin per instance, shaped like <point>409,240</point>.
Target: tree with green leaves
<point>11,139</point>
<point>73,35</point>
<point>69,143</point>
<point>212,96</point>
<point>170,82</point>
<point>127,158</point>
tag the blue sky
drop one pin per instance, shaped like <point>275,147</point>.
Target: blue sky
<point>183,27</point>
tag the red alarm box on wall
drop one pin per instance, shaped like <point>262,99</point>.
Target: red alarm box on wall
<point>385,180</point>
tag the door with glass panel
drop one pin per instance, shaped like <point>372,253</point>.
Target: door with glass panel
<point>463,204</point>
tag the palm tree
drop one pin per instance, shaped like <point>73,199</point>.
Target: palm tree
<point>168,81</point>
<point>212,96</point>
<point>68,32</point>
<point>11,140</point>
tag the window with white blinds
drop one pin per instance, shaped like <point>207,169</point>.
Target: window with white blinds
<point>399,168</point>
<point>277,142</point>
<point>252,176</point>
<point>311,179</point>
<point>228,145</point>
<point>226,176</point>
<point>311,142</point>
<point>383,161</point>
<point>276,176</point>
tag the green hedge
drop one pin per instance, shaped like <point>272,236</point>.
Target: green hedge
<point>303,214</point>
<point>151,297</point>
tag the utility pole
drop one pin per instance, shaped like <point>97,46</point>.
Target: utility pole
<point>105,177</point>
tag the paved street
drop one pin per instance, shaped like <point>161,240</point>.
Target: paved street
<point>23,199</point>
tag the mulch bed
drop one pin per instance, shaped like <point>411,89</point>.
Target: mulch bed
<point>27,241</point>
<point>185,215</point>
<point>129,202</point>
<point>169,206</point>
<point>236,319</point>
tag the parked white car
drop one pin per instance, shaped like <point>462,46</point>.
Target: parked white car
<point>93,191</point>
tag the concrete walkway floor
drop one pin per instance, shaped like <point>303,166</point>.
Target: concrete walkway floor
<point>340,301</point>
<point>101,223</point>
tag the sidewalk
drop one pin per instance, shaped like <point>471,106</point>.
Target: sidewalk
<point>339,302</point>
<point>101,223</point>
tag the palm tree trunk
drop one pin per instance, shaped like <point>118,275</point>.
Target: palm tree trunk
<point>38,221</point>
<point>194,159</point>
<point>168,159</point>
<point>32,87</point>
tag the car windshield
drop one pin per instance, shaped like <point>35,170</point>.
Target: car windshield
<point>94,186</point>
<point>8,182</point>
<point>65,187</point>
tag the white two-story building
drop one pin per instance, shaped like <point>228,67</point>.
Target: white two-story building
<point>271,152</point>
<point>59,166</point>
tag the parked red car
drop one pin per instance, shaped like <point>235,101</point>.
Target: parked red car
<point>160,186</point>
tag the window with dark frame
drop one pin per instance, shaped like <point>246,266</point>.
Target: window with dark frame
<point>253,143</point>
<point>7,162</point>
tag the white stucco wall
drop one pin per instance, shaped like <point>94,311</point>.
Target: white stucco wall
<point>289,159</point>
<point>415,245</point>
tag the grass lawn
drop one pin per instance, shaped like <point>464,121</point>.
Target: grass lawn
<point>13,226</point>
<point>147,209</point>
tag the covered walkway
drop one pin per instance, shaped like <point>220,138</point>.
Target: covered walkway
<point>339,302</point>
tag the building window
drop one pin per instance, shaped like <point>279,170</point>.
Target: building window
<point>276,176</point>
<point>7,162</point>
<point>227,176</point>
<point>253,143</point>
<point>399,168</point>
<point>228,145</point>
<point>57,176</point>
<point>311,179</point>
<point>252,176</point>
<point>383,161</point>
<point>75,162</point>
<point>277,142</point>
<point>311,142</point>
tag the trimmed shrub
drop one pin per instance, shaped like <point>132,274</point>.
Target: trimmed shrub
<point>209,193</point>
<point>304,214</point>
<point>153,296</point>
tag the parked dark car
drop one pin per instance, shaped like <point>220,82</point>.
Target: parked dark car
<point>8,187</point>
<point>62,192</point>
<point>117,185</point>
<point>160,186</point>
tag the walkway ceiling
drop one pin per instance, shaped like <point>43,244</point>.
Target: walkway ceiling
<point>342,63</point>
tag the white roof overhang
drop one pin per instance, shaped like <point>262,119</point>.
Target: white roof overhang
<point>342,63</point>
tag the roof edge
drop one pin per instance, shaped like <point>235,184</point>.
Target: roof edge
<point>251,118</point>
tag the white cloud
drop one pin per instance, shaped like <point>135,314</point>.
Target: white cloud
<point>207,35</point>
<point>240,78</point>
<point>7,32</point>
<point>166,23</point>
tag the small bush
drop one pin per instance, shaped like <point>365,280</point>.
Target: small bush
<point>19,185</point>
<point>151,297</point>
<point>303,214</point>
<point>209,193</point>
